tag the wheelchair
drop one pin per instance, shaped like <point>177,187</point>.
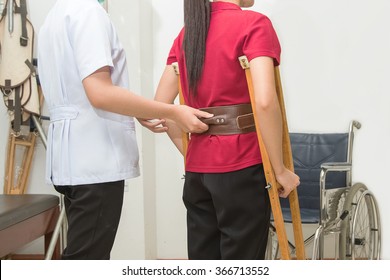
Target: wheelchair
<point>329,199</point>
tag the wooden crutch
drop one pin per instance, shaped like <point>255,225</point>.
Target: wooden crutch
<point>184,136</point>
<point>273,185</point>
<point>23,172</point>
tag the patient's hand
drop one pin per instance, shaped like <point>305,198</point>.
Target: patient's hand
<point>155,125</point>
<point>288,181</point>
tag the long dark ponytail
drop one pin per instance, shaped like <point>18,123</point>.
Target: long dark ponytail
<point>196,23</point>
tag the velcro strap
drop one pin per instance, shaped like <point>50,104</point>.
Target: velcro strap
<point>8,86</point>
<point>30,65</point>
<point>17,122</point>
<point>23,12</point>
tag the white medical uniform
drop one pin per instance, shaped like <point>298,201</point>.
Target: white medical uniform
<point>85,145</point>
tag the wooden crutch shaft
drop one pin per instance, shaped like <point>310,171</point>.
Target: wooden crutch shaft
<point>17,188</point>
<point>273,185</point>
<point>184,135</point>
<point>289,163</point>
<point>9,179</point>
<point>270,176</point>
<point>27,163</point>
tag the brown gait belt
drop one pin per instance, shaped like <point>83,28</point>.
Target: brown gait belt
<point>227,120</point>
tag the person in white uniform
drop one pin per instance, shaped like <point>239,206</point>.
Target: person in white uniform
<point>92,145</point>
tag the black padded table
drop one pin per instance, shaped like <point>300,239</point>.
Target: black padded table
<point>26,217</point>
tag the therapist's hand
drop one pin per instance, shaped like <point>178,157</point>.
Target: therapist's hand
<point>188,119</point>
<point>154,125</point>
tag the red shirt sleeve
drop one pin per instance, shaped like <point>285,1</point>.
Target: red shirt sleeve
<point>172,54</point>
<point>261,39</point>
<point>175,49</point>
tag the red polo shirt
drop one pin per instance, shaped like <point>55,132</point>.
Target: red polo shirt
<point>233,32</point>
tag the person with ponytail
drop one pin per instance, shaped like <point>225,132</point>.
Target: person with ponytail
<point>228,208</point>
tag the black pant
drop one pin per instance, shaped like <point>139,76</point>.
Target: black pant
<point>93,213</point>
<point>228,214</point>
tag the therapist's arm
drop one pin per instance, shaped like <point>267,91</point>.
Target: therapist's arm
<point>167,91</point>
<point>104,95</point>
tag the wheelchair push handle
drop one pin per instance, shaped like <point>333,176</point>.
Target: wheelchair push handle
<point>355,124</point>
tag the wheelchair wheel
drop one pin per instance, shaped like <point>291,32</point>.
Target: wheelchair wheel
<point>360,230</point>
<point>272,252</point>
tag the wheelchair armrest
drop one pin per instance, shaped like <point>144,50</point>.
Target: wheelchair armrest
<point>336,166</point>
<point>333,167</point>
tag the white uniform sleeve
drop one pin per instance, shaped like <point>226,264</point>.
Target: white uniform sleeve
<point>90,37</point>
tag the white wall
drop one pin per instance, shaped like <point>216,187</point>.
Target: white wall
<point>334,69</point>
